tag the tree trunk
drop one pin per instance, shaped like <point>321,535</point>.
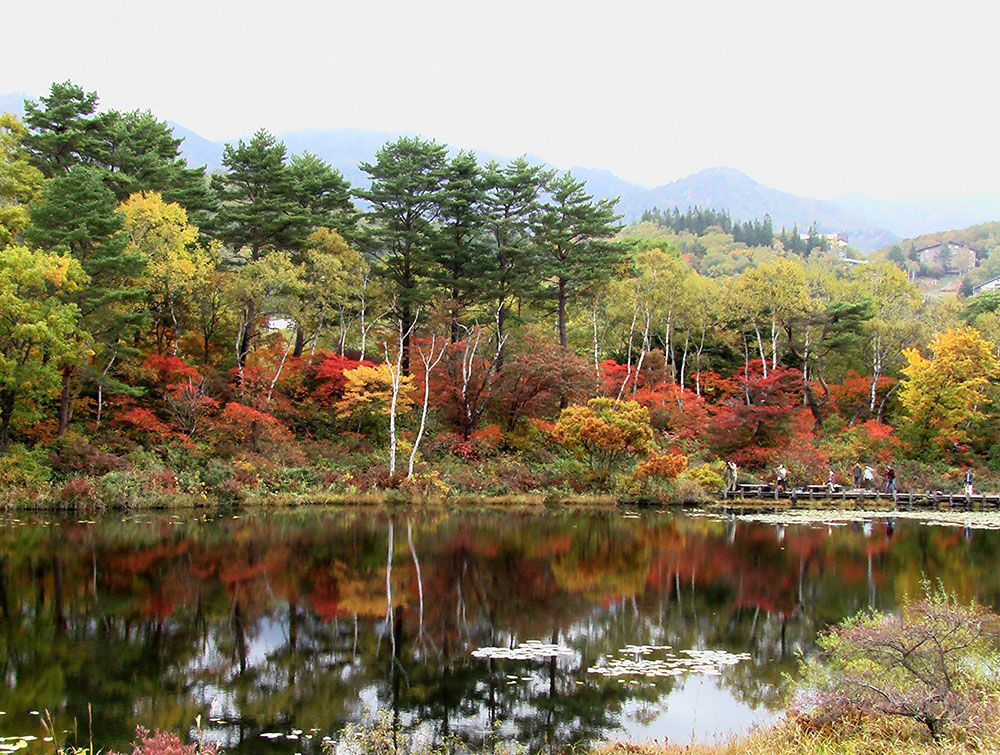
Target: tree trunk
<point>300,343</point>
<point>246,334</point>
<point>562,312</point>
<point>64,401</point>
<point>501,320</point>
<point>6,412</point>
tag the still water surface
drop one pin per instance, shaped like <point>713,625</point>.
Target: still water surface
<point>272,622</point>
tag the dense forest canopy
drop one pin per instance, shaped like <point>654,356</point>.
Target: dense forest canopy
<point>155,320</point>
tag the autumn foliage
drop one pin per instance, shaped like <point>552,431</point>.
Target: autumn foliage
<point>604,432</point>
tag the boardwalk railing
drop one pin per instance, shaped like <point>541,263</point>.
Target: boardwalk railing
<point>839,493</point>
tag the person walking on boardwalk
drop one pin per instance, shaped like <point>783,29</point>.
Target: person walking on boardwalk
<point>890,479</point>
<point>857,475</point>
<point>869,477</point>
<point>781,476</point>
<point>968,482</point>
<point>830,484</point>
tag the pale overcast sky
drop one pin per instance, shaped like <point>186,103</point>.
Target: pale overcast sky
<point>818,98</point>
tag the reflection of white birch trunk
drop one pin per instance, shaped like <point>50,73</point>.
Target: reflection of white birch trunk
<point>390,615</point>
<point>430,361</point>
<point>420,581</point>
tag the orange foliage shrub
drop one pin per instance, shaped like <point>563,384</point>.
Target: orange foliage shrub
<point>667,467</point>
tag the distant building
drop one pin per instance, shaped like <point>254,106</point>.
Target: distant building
<point>837,240</point>
<point>963,258</point>
<point>991,285</point>
<point>851,261</point>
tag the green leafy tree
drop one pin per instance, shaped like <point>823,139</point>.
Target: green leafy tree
<point>142,154</point>
<point>20,181</point>
<point>574,235</point>
<point>135,151</point>
<point>323,194</point>
<point>39,327</point>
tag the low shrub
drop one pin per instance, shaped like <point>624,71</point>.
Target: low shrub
<point>22,468</point>
<point>166,743</point>
<point>706,476</point>
<point>935,662</point>
<point>74,455</point>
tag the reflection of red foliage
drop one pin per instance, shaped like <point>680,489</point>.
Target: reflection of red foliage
<point>325,597</point>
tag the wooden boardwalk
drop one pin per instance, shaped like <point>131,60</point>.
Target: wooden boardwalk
<point>854,496</point>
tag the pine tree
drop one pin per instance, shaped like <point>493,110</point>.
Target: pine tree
<point>461,254</point>
<point>512,203</point>
<point>323,194</point>
<point>78,213</point>
<point>405,197</point>
<point>65,129</point>
<point>574,235</point>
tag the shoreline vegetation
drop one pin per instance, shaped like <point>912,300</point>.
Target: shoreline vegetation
<point>448,330</point>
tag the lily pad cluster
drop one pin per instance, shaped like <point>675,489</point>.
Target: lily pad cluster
<point>706,662</point>
<point>525,651</point>
<point>979,520</point>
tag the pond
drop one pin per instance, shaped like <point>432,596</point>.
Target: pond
<point>279,627</point>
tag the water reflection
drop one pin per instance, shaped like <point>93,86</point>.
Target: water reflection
<point>267,622</point>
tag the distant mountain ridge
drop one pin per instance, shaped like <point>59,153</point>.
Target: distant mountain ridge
<point>870,223</point>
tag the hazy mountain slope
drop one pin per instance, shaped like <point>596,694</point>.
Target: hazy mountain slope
<point>870,223</point>
<point>198,150</point>
<point>744,198</point>
<point>919,215</point>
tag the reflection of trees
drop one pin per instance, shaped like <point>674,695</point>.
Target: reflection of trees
<point>284,620</point>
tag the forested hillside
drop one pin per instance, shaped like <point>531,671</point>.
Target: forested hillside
<point>446,326</point>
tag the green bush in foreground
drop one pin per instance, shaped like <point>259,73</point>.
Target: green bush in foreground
<point>935,662</point>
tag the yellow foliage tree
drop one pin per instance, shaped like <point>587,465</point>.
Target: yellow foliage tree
<point>176,264</point>
<point>368,392</point>
<point>20,182</point>
<point>948,398</point>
